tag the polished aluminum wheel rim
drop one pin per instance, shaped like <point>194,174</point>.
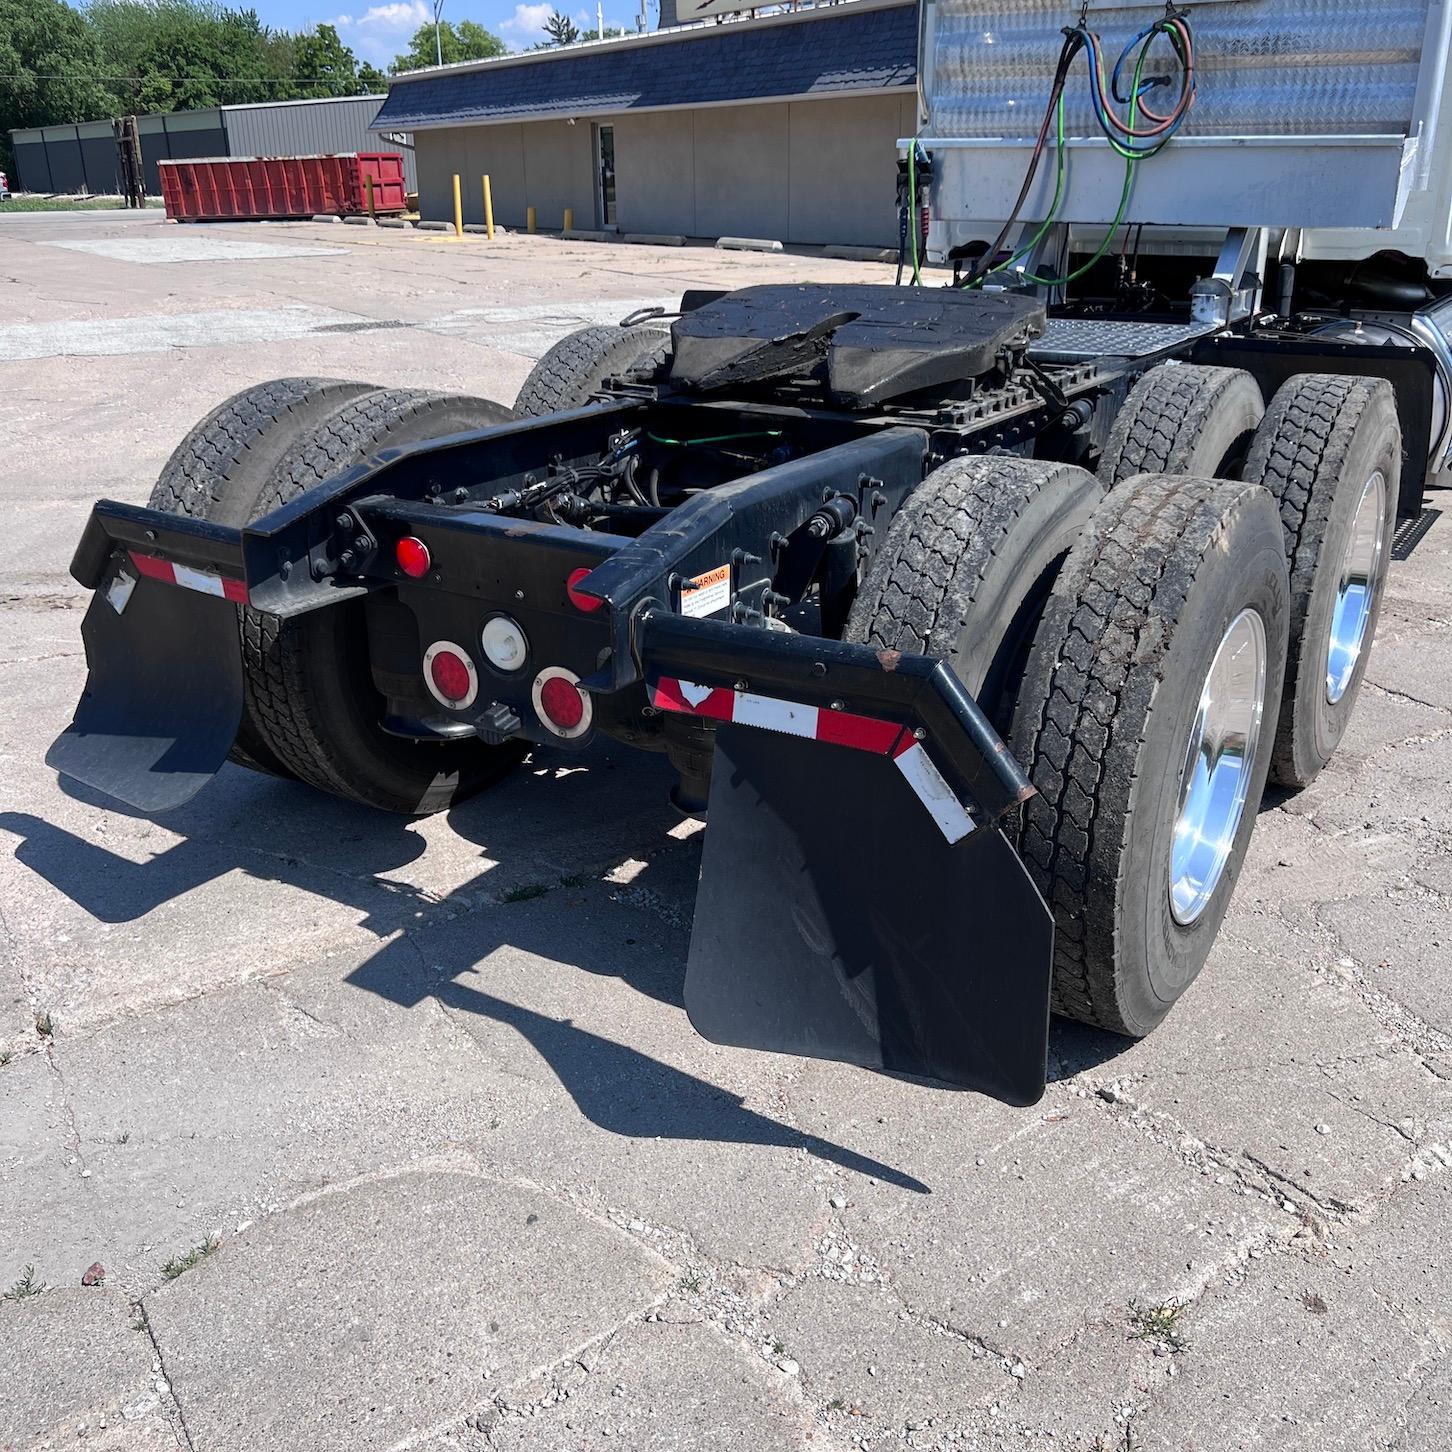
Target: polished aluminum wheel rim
<point>1219,756</point>
<point>1356,589</point>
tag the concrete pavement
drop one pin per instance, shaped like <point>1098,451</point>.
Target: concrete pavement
<point>393,1134</point>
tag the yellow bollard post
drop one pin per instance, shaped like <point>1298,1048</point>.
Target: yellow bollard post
<point>529,219</point>
<point>569,219</point>
<point>488,211</point>
<point>368,188</point>
<point>458,209</point>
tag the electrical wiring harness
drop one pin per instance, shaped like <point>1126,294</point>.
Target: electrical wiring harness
<point>1134,139</point>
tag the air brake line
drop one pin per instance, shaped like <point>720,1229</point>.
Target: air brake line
<point>1121,134</point>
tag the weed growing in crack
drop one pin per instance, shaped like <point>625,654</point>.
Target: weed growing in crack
<point>1314,1303</point>
<point>5,1056</point>
<point>525,891</point>
<point>45,1025</point>
<point>174,1267</point>
<point>1159,1324</point>
<point>778,1346</point>
<point>691,1283</point>
<point>25,1287</point>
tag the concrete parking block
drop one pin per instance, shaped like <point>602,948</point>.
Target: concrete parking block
<point>666,1388</point>
<point>861,254</point>
<point>372,1313</point>
<point>748,244</point>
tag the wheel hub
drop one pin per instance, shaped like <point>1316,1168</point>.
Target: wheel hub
<point>1356,589</point>
<point>1215,779</point>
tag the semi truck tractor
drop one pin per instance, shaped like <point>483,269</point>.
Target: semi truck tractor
<point>974,613</point>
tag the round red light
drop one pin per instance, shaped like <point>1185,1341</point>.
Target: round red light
<point>578,598</point>
<point>562,701</point>
<point>451,675</point>
<point>413,557</point>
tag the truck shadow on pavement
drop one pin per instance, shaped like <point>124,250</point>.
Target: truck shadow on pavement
<point>616,1087</point>
<point>346,854</point>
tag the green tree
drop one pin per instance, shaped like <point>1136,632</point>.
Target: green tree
<point>560,29</point>
<point>466,41</point>
<point>184,53</point>
<point>323,65</point>
<point>50,69</point>
<point>371,81</point>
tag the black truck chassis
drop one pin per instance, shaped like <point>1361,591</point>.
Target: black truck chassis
<point>862,898</point>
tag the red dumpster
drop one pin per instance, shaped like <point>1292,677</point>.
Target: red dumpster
<point>241,188</point>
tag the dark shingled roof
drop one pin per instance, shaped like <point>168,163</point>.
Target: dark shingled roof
<point>842,50</point>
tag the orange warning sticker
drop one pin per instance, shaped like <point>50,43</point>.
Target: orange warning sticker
<point>708,593</point>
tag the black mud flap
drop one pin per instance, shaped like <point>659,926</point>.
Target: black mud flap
<point>164,696</point>
<point>834,920</point>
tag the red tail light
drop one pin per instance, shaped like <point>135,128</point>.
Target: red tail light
<point>560,702</point>
<point>578,598</point>
<point>450,675</point>
<point>413,557</point>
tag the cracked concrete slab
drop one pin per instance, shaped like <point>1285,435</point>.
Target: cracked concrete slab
<point>1402,943</point>
<point>1337,1364</point>
<point>878,1369</point>
<point>377,1310</point>
<point>1064,1222</point>
<point>78,1370</point>
<point>1259,1029</point>
<point>220,1111</point>
<point>664,1387</point>
<point>578,994</point>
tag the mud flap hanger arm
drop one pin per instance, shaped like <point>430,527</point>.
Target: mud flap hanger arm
<point>920,692</point>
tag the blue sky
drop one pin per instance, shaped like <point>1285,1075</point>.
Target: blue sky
<point>378,29</point>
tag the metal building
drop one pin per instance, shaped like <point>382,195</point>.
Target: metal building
<point>784,126</point>
<point>82,158</point>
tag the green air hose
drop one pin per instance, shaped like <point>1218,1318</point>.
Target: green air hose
<point>1131,159</point>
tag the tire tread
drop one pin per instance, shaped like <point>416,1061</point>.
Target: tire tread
<point>1085,709</point>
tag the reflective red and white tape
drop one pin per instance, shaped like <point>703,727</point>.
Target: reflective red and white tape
<point>203,581</point>
<point>841,728</point>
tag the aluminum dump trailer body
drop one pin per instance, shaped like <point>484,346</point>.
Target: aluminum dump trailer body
<point>1310,114</point>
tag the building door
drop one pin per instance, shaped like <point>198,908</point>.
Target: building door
<point>605,175</point>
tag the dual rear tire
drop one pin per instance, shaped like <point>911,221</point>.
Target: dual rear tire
<point>1091,627</point>
<point>1155,646</point>
<point>311,709</point>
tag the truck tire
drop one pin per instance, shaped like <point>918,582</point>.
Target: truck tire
<point>308,676</point>
<point>1329,450</point>
<point>1181,418</point>
<point>218,473</point>
<point>967,565</point>
<point>1162,648</point>
<point>571,373</point>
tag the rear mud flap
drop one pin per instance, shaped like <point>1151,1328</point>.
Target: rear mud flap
<point>834,920</point>
<point>163,698</point>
